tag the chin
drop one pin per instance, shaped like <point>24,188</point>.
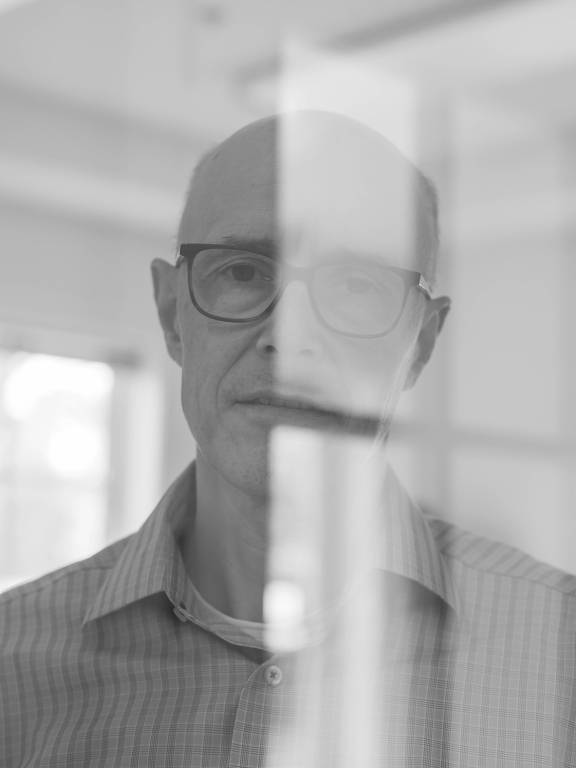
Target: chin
<point>247,468</point>
<point>253,478</point>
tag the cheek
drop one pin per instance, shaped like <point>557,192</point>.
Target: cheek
<point>374,371</point>
<point>372,368</point>
<point>211,358</point>
<point>190,398</point>
<point>199,385</point>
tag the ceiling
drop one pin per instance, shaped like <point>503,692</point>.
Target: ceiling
<point>178,63</point>
<point>129,92</point>
<point>191,65</point>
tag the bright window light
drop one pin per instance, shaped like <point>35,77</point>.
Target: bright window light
<point>55,417</point>
<point>37,377</point>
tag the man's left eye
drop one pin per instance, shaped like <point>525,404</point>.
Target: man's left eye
<point>359,284</point>
<point>243,272</point>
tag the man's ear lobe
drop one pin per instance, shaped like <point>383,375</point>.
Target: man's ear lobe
<point>434,318</point>
<point>165,281</point>
<point>442,307</point>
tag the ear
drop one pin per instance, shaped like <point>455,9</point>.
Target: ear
<point>435,314</point>
<point>165,281</point>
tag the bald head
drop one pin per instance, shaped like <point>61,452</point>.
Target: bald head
<point>326,175</point>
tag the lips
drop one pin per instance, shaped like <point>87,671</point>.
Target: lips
<point>275,401</point>
<point>297,407</point>
<point>282,408</point>
<point>293,400</point>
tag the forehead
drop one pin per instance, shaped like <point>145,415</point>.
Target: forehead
<point>310,184</point>
<point>234,191</point>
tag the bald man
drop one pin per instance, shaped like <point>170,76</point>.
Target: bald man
<point>328,168</point>
<point>301,297</point>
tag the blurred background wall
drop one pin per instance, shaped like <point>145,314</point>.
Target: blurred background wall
<point>106,106</point>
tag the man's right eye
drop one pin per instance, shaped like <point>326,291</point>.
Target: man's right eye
<point>246,272</point>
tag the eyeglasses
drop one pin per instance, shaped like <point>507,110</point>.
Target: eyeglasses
<point>354,297</point>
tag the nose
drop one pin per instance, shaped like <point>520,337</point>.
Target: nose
<point>293,329</point>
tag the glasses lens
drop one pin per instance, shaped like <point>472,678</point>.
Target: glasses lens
<point>233,285</point>
<point>359,299</point>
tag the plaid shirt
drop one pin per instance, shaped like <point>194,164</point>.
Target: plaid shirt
<point>117,660</point>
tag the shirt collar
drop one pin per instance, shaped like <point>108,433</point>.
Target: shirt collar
<point>408,547</point>
<point>151,563</point>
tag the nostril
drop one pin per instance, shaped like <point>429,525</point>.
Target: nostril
<point>269,349</point>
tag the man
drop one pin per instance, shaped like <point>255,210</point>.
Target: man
<point>300,298</point>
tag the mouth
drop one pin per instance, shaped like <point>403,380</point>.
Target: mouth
<point>279,409</point>
<point>277,401</point>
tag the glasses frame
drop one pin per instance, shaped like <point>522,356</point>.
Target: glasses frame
<point>187,252</point>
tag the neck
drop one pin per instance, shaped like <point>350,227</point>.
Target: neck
<point>225,545</point>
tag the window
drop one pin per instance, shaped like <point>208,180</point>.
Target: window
<point>55,418</point>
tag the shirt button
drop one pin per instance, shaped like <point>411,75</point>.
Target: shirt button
<point>273,675</point>
<point>181,613</point>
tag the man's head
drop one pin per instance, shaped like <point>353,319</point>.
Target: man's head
<point>306,190</point>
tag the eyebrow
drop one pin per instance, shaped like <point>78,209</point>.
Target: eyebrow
<point>262,244</point>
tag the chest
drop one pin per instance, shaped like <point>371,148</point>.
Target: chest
<point>466,703</point>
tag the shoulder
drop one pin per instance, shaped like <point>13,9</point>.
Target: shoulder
<point>42,645</point>
<point>61,595</point>
<point>500,586</point>
<point>483,556</point>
